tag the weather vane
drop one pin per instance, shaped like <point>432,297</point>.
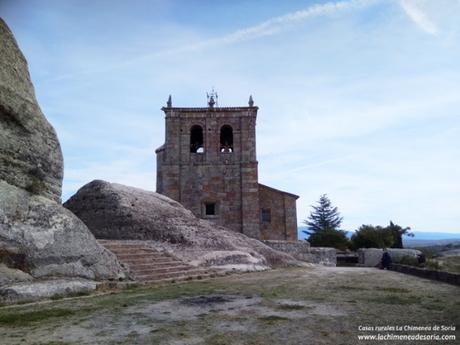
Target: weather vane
<point>212,98</point>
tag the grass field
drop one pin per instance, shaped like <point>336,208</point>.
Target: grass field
<point>292,306</point>
<point>449,263</point>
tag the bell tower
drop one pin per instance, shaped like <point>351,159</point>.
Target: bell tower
<point>208,163</point>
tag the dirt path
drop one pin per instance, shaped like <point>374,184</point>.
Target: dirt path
<point>293,306</point>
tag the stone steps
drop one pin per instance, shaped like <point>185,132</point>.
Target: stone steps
<point>141,271</point>
<point>142,258</point>
<point>148,265</point>
<point>173,274</point>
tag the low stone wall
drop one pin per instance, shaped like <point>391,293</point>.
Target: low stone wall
<point>347,258</point>
<point>370,257</point>
<point>323,256</point>
<point>296,248</point>
<point>446,277</point>
<point>399,253</point>
<point>302,251</point>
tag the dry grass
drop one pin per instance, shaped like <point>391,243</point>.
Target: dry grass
<point>286,306</point>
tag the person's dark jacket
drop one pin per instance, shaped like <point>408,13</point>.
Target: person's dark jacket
<point>386,260</point>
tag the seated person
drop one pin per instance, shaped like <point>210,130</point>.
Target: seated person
<point>386,260</point>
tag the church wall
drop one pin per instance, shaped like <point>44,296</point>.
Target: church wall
<point>218,184</point>
<point>282,224</point>
<point>290,210</point>
<point>226,179</point>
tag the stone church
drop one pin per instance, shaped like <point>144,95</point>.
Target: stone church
<point>208,163</point>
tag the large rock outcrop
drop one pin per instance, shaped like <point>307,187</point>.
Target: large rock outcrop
<point>41,237</point>
<point>37,235</point>
<point>27,292</point>
<point>114,211</point>
<point>30,154</point>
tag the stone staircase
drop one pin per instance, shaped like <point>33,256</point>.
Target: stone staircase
<point>148,265</point>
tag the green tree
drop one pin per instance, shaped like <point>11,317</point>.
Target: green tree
<point>329,238</point>
<point>369,236</point>
<point>323,224</point>
<point>398,232</point>
<point>324,216</point>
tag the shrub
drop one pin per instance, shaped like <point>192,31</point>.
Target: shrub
<point>369,236</point>
<point>329,238</point>
<point>433,265</point>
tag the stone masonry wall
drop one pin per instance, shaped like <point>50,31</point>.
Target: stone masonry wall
<point>301,250</point>
<point>290,209</point>
<point>371,257</point>
<point>227,179</point>
<point>282,209</point>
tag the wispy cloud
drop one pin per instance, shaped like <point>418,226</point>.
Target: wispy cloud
<point>278,24</point>
<point>269,27</point>
<point>413,9</point>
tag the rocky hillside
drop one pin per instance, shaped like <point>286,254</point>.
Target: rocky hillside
<point>114,211</point>
<point>38,237</point>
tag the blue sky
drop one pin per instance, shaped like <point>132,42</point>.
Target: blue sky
<point>358,99</point>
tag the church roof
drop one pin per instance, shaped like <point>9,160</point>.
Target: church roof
<point>279,191</point>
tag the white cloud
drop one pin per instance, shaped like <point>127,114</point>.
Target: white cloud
<point>415,12</point>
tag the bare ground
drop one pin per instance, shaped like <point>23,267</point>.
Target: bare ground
<point>321,305</point>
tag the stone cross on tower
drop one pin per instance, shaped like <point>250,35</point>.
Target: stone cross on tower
<point>212,98</point>
<point>169,102</point>
<point>251,101</point>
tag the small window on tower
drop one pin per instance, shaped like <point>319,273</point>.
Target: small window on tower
<point>210,209</point>
<point>266,215</point>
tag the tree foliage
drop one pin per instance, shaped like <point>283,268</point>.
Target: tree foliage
<point>398,232</point>
<point>324,216</point>
<point>330,238</point>
<point>323,224</point>
<point>369,236</point>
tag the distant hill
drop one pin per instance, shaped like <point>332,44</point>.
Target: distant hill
<point>412,242</point>
<point>424,239</point>
<point>302,236</point>
<point>421,238</point>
